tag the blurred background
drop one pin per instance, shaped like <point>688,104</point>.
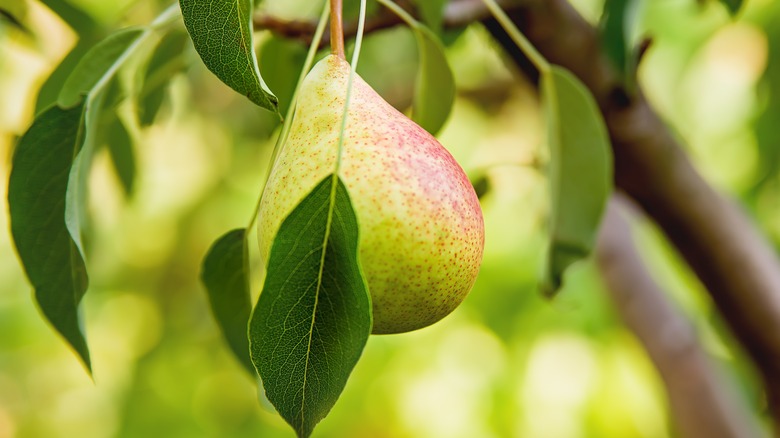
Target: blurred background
<point>507,363</point>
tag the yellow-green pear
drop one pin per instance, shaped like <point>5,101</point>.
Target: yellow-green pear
<point>421,227</point>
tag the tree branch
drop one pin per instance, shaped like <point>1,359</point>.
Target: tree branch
<point>702,402</point>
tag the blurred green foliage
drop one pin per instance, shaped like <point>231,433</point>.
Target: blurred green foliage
<point>506,364</point>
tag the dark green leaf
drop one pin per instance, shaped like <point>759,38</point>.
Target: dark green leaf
<point>733,6</point>
<point>314,313</point>
<point>96,65</point>
<point>111,132</point>
<point>481,184</point>
<point>451,35</point>
<point>120,149</point>
<point>150,102</point>
<point>580,171</point>
<point>226,277</point>
<point>36,199</point>
<point>434,90</point>
<point>166,61</point>
<point>282,60</point>
<point>221,31</point>
<point>614,34</point>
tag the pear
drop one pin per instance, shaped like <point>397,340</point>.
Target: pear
<point>421,227</point>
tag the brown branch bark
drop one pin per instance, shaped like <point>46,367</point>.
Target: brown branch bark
<point>458,13</point>
<point>702,402</point>
<point>734,262</point>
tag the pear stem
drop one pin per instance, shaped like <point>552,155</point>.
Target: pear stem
<point>337,29</point>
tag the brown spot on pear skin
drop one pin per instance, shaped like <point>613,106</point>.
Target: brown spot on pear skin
<point>421,227</point>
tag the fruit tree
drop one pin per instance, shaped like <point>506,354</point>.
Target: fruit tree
<point>390,218</point>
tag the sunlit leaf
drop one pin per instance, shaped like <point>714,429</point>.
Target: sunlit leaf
<point>314,313</point>
<point>36,199</point>
<point>226,277</point>
<point>580,171</point>
<point>221,31</point>
<point>98,64</point>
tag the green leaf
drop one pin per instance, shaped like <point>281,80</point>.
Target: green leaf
<point>733,6</point>
<point>614,33</point>
<point>50,90</point>
<point>482,185</point>
<point>36,200</point>
<point>98,65</point>
<point>221,31</point>
<point>166,61</point>
<point>226,277</point>
<point>77,198</point>
<point>352,9</point>
<point>580,171</point>
<point>432,13</point>
<point>76,17</point>
<point>92,80</point>
<point>89,32</point>
<point>434,90</point>
<point>767,134</point>
<point>282,60</point>
<point>313,316</point>
<point>120,149</point>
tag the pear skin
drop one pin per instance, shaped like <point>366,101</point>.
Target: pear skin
<point>421,227</point>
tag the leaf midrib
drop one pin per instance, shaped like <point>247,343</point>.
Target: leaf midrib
<point>328,224</point>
